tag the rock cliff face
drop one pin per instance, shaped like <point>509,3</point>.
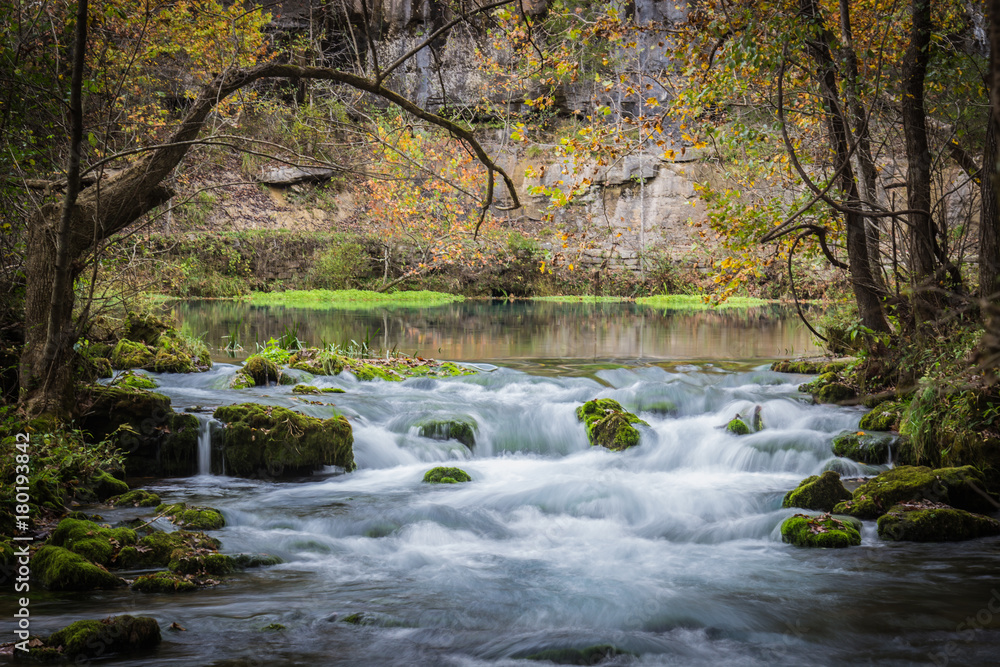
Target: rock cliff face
<point>638,203</point>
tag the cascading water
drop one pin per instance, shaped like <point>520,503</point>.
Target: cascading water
<point>669,550</point>
<point>207,427</point>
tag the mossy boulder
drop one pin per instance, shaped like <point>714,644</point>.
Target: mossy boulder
<point>262,371</point>
<point>157,441</point>
<point>867,447</point>
<point>98,544</point>
<point>317,362</point>
<point>835,392</point>
<point>591,655</point>
<point>810,366</point>
<point>462,429</point>
<point>145,327</point>
<point>819,492</point>
<point>247,561</point>
<point>823,531</point>
<point>193,518</point>
<point>129,354</point>
<point>104,485</point>
<point>60,569</point>
<point>163,582</point>
<point>925,521</point>
<point>443,475</point>
<point>737,426</point>
<point>191,562</point>
<point>277,441</point>
<point>962,488</point>
<point>608,424</point>
<point>135,498</point>
<point>883,417</point>
<point>171,353</point>
<point>118,634</point>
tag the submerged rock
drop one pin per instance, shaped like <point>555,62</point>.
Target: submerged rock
<point>591,655</point>
<point>60,569</point>
<point>443,475</point>
<point>874,448</point>
<point>925,521</point>
<point>819,492</point>
<point>460,429</point>
<point>264,439</point>
<point>195,518</point>
<point>609,424</point>
<point>118,634</point>
<point>962,488</point>
<point>823,531</point>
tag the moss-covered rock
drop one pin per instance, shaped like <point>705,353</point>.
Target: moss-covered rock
<point>60,569</point>
<point>163,582</point>
<point>276,441</point>
<point>104,485</point>
<point>194,518</point>
<point>192,562</point>
<point>924,521</point>
<point>135,498</point>
<point>98,544</point>
<point>175,353</point>
<point>591,655</point>
<point>310,389</point>
<point>145,327</point>
<point>867,447</point>
<point>129,354</point>
<point>883,417</point>
<point>609,424</point>
<point>157,441</point>
<point>247,561</point>
<point>241,380</point>
<point>136,381</point>
<point>737,426</point>
<point>262,370</point>
<point>819,492</point>
<point>159,547</point>
<point>443,475</point>
<point>325,362</point>
<point>462,429</point>
<point>810,366</point>
<point>962,488</point>
<point>118,634</point>
<point>824,531</point>
<point>835,392</point>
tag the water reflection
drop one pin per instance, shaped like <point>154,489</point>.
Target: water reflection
<point>499,330</point>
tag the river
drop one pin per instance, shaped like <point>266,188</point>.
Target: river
<point>669,550</point>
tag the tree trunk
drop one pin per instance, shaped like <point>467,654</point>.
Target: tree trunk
<point>866,290</point>
<point>923,263</point>
<point>989,238</point>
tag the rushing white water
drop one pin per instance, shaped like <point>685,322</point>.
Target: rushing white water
<point>669,550</point>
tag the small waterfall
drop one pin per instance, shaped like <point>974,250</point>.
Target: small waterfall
<point>206,429</point>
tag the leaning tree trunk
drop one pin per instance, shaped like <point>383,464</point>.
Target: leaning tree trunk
<point>923,263</point>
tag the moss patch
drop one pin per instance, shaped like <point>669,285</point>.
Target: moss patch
<point>884,417</point>
<point>443,475</point>
<point>195,518</point>
<point>60,569</point>
<point>925,521</point>
<point>823,531</point>
<point>609,424</point>
<point>104,485</point>
<point>962,488</point>
<point>137,381</point>
<point>819,492</point>
<point>276,441</point>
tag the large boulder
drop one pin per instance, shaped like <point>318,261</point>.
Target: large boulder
<point>156,440</point>
<point>962,488</point>
<point>264,439</point>
<point>925,521</point>
<point>609,424</point>
<point>819,492</point>
<point>867,447</point>
<point>824,531</point>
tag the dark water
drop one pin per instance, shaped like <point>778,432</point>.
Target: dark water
<point>669,550</point>
<point>504,330</point>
